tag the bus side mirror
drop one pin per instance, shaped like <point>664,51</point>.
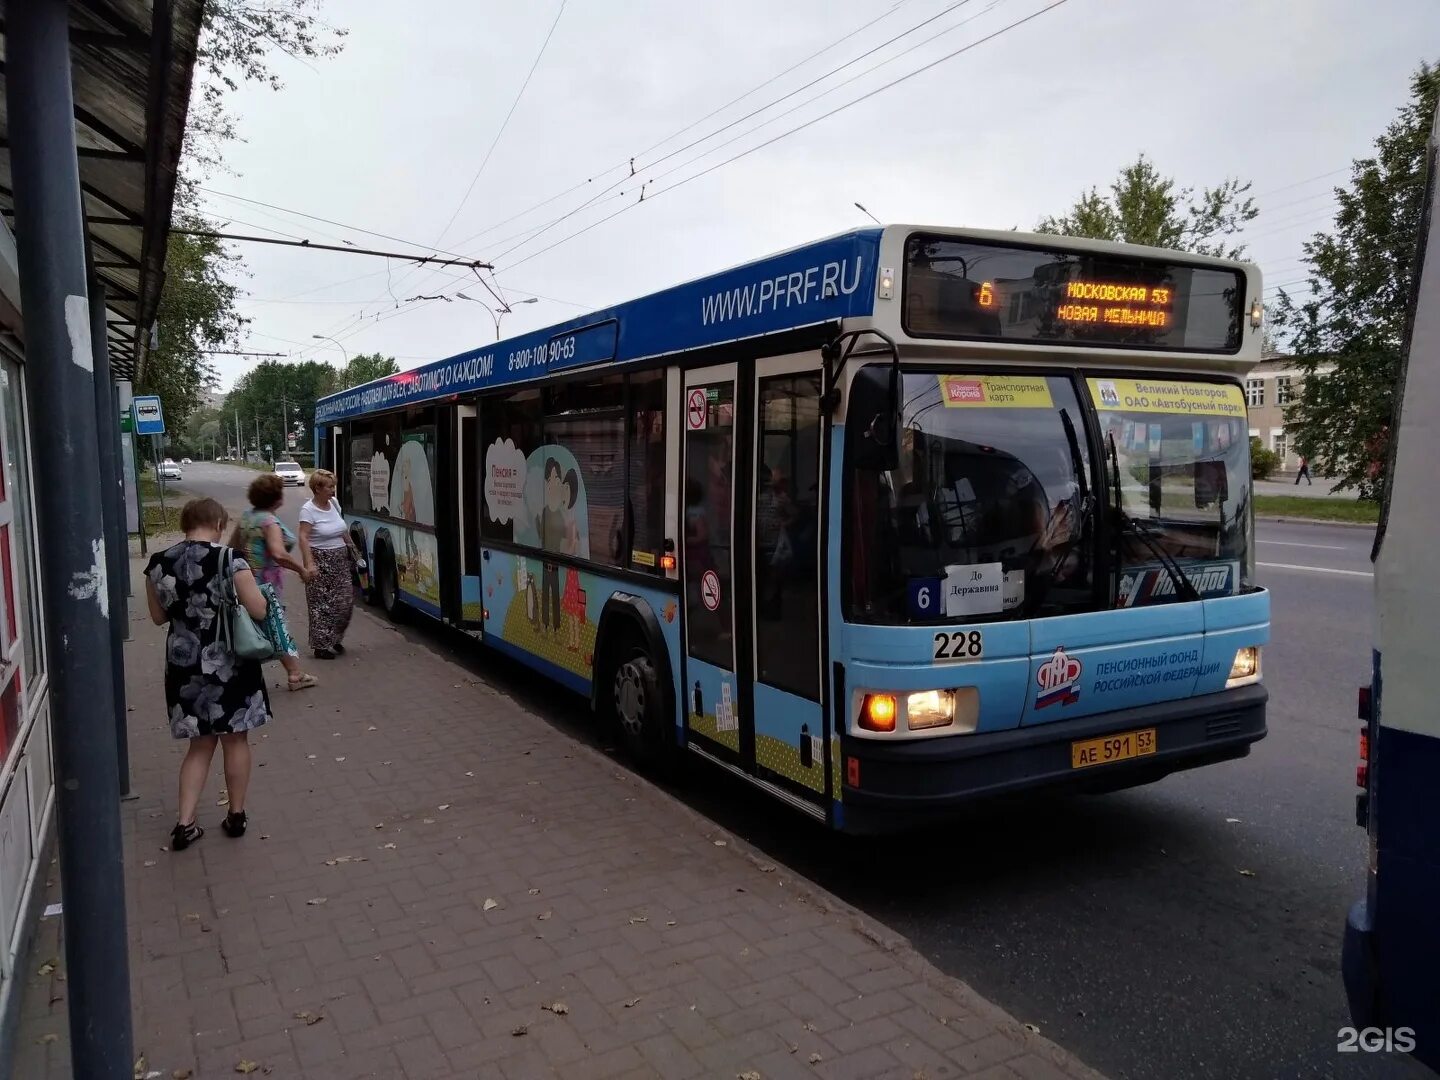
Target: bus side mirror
<point>874,414</point>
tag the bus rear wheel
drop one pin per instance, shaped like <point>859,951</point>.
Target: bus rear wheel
<point>635,702</point>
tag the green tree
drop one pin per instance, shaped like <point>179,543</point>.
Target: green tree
<point>1143,207</point>
<point>272,395</point>
<point>1348,336</point>
<point>364,367</point>
<point>196,314</point>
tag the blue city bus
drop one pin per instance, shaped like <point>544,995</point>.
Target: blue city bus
<point>881,524</point>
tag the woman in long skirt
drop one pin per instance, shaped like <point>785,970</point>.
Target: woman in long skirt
<point>330,556</point>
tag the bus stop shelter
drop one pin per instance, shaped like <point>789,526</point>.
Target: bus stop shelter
<point>92,117</point>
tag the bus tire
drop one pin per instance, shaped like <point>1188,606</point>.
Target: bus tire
<point>387,583</point>
<point>636,699</point>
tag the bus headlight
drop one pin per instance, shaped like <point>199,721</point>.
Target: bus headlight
<point>930,709</point>
<point>1245,669</point>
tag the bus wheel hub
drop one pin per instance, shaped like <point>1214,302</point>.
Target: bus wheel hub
<point>630,699</point>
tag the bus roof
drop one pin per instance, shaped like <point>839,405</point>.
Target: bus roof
<point>821,282</point>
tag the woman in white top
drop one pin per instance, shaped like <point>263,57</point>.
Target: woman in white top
<point>329,554</point>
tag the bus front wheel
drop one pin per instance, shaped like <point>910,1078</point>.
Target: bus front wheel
<point>388,585</point>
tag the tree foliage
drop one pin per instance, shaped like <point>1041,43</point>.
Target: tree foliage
<point>364,367</point>
<point>196,313</point>
<point>273,394</point>
<point>1143,207</point>
<point>1360,276</point>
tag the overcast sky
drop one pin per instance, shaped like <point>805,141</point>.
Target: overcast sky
<point>390,135</point>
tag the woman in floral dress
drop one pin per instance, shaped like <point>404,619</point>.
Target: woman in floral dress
<point>213,696</point>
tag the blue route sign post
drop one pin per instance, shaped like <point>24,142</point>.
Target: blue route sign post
<point>149,419</point>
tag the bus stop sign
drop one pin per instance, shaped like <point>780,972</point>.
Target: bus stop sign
<point>149,420</point>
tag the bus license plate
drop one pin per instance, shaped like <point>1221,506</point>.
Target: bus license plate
<point>1112,748</point>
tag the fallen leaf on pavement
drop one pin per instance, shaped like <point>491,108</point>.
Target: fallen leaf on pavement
<point>543,916</point>
<point>379,824</point>
<point>264,836</point>
<point>559,1008</point>
<point>1033,1028</point>
<point>638,919</point>
<point>310,1018</point>
<point>749,1074</point>
<point>443,806</point>
<point>490,904</point>
<point>311,757</point>
<point>316,901</point>
<point>340,758</point>
<point>521,1030</point>
<point>721,843</point>
<point>533,892</point>
<point>1232,821</point>
<point>1247,873</point>
<point>192,916</point>
<point>427,821</point>
<point>182,1074</point>
<point>47,967</point>
<point>243,1066</point>
<point>670,923</point>
<point>815,1059</point>
<point>388,847</point>
<point>632,1003</point>
<point>48,1037</point>
<point>140,1067</point>
<point>469,774</point>
<point>372,727</point>
<point>767,867</point>
<point>149,862</point>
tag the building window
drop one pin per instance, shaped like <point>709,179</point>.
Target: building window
<point>1277,439</point>
<point>1284,392</point>
<point>1255,393</point>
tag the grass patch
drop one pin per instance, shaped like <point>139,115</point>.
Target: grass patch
<point>1294,506</point>
<point>156,521</point>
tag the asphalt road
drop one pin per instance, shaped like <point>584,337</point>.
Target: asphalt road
<point>1122,926</point>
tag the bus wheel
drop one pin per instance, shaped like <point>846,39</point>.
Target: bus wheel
<point>635,693</point>
<point>388,586</point>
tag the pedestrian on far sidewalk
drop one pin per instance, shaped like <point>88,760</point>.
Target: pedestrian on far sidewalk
<point>212,695</point>
<point>330,556</point>
<point>1304,472</point>
<point>264,541</point>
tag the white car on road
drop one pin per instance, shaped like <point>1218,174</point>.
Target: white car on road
<point>168,470</point>
<point>290,472</point>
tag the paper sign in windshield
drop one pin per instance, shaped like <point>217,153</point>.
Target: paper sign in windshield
<point>1167,396</point>
<point>976,589</point>
<point>994,392</point>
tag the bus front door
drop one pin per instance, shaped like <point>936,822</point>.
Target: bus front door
<point>785,564</point>
<point>718,716</point>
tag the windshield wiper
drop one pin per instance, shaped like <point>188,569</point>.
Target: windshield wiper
<point>1184,587</point>
<point>1082,526</point>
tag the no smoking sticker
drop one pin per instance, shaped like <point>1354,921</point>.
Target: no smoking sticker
<point>696,409</point>
<point>710,590</point>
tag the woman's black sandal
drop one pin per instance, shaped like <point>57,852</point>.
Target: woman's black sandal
<point>234,825</point>
<point>182,836</point>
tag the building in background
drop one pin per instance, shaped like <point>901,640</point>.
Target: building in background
<point>1270,388</point>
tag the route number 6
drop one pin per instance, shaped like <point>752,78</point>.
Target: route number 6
<point>957,646</point>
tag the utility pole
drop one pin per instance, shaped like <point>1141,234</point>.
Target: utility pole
<point>60,377</point>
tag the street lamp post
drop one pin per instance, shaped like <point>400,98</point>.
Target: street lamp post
<point>323,337</point>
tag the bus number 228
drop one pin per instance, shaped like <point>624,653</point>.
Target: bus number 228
<point>952,646</point>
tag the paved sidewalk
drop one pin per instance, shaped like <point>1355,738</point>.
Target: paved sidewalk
<point>1321,488</point>
<point>437,883</point>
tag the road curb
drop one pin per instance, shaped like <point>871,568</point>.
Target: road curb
<point>1278,520</point>
<point>808,892</point>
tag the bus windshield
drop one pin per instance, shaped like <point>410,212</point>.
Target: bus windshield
<point>986,515</point>
<point>1178,464</point>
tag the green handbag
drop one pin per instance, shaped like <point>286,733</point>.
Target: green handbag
<point>242,635</point>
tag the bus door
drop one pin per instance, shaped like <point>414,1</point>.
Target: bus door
<point>469,492</point>
<point>787,523</point>
<point>717,711</point>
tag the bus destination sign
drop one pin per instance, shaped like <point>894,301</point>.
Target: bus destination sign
<point>1029,294</point>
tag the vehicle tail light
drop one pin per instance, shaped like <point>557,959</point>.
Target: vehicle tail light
<point>879,712</point>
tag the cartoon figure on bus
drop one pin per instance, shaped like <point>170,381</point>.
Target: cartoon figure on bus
<point>558,532</point>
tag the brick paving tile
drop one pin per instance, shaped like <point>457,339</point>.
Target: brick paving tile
<point>498,877</point>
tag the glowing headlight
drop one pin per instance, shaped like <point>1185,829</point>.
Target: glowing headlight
<point>930,709</point>
<point>1246,667</point>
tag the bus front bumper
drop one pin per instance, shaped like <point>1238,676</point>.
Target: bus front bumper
<point>903,783</point>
